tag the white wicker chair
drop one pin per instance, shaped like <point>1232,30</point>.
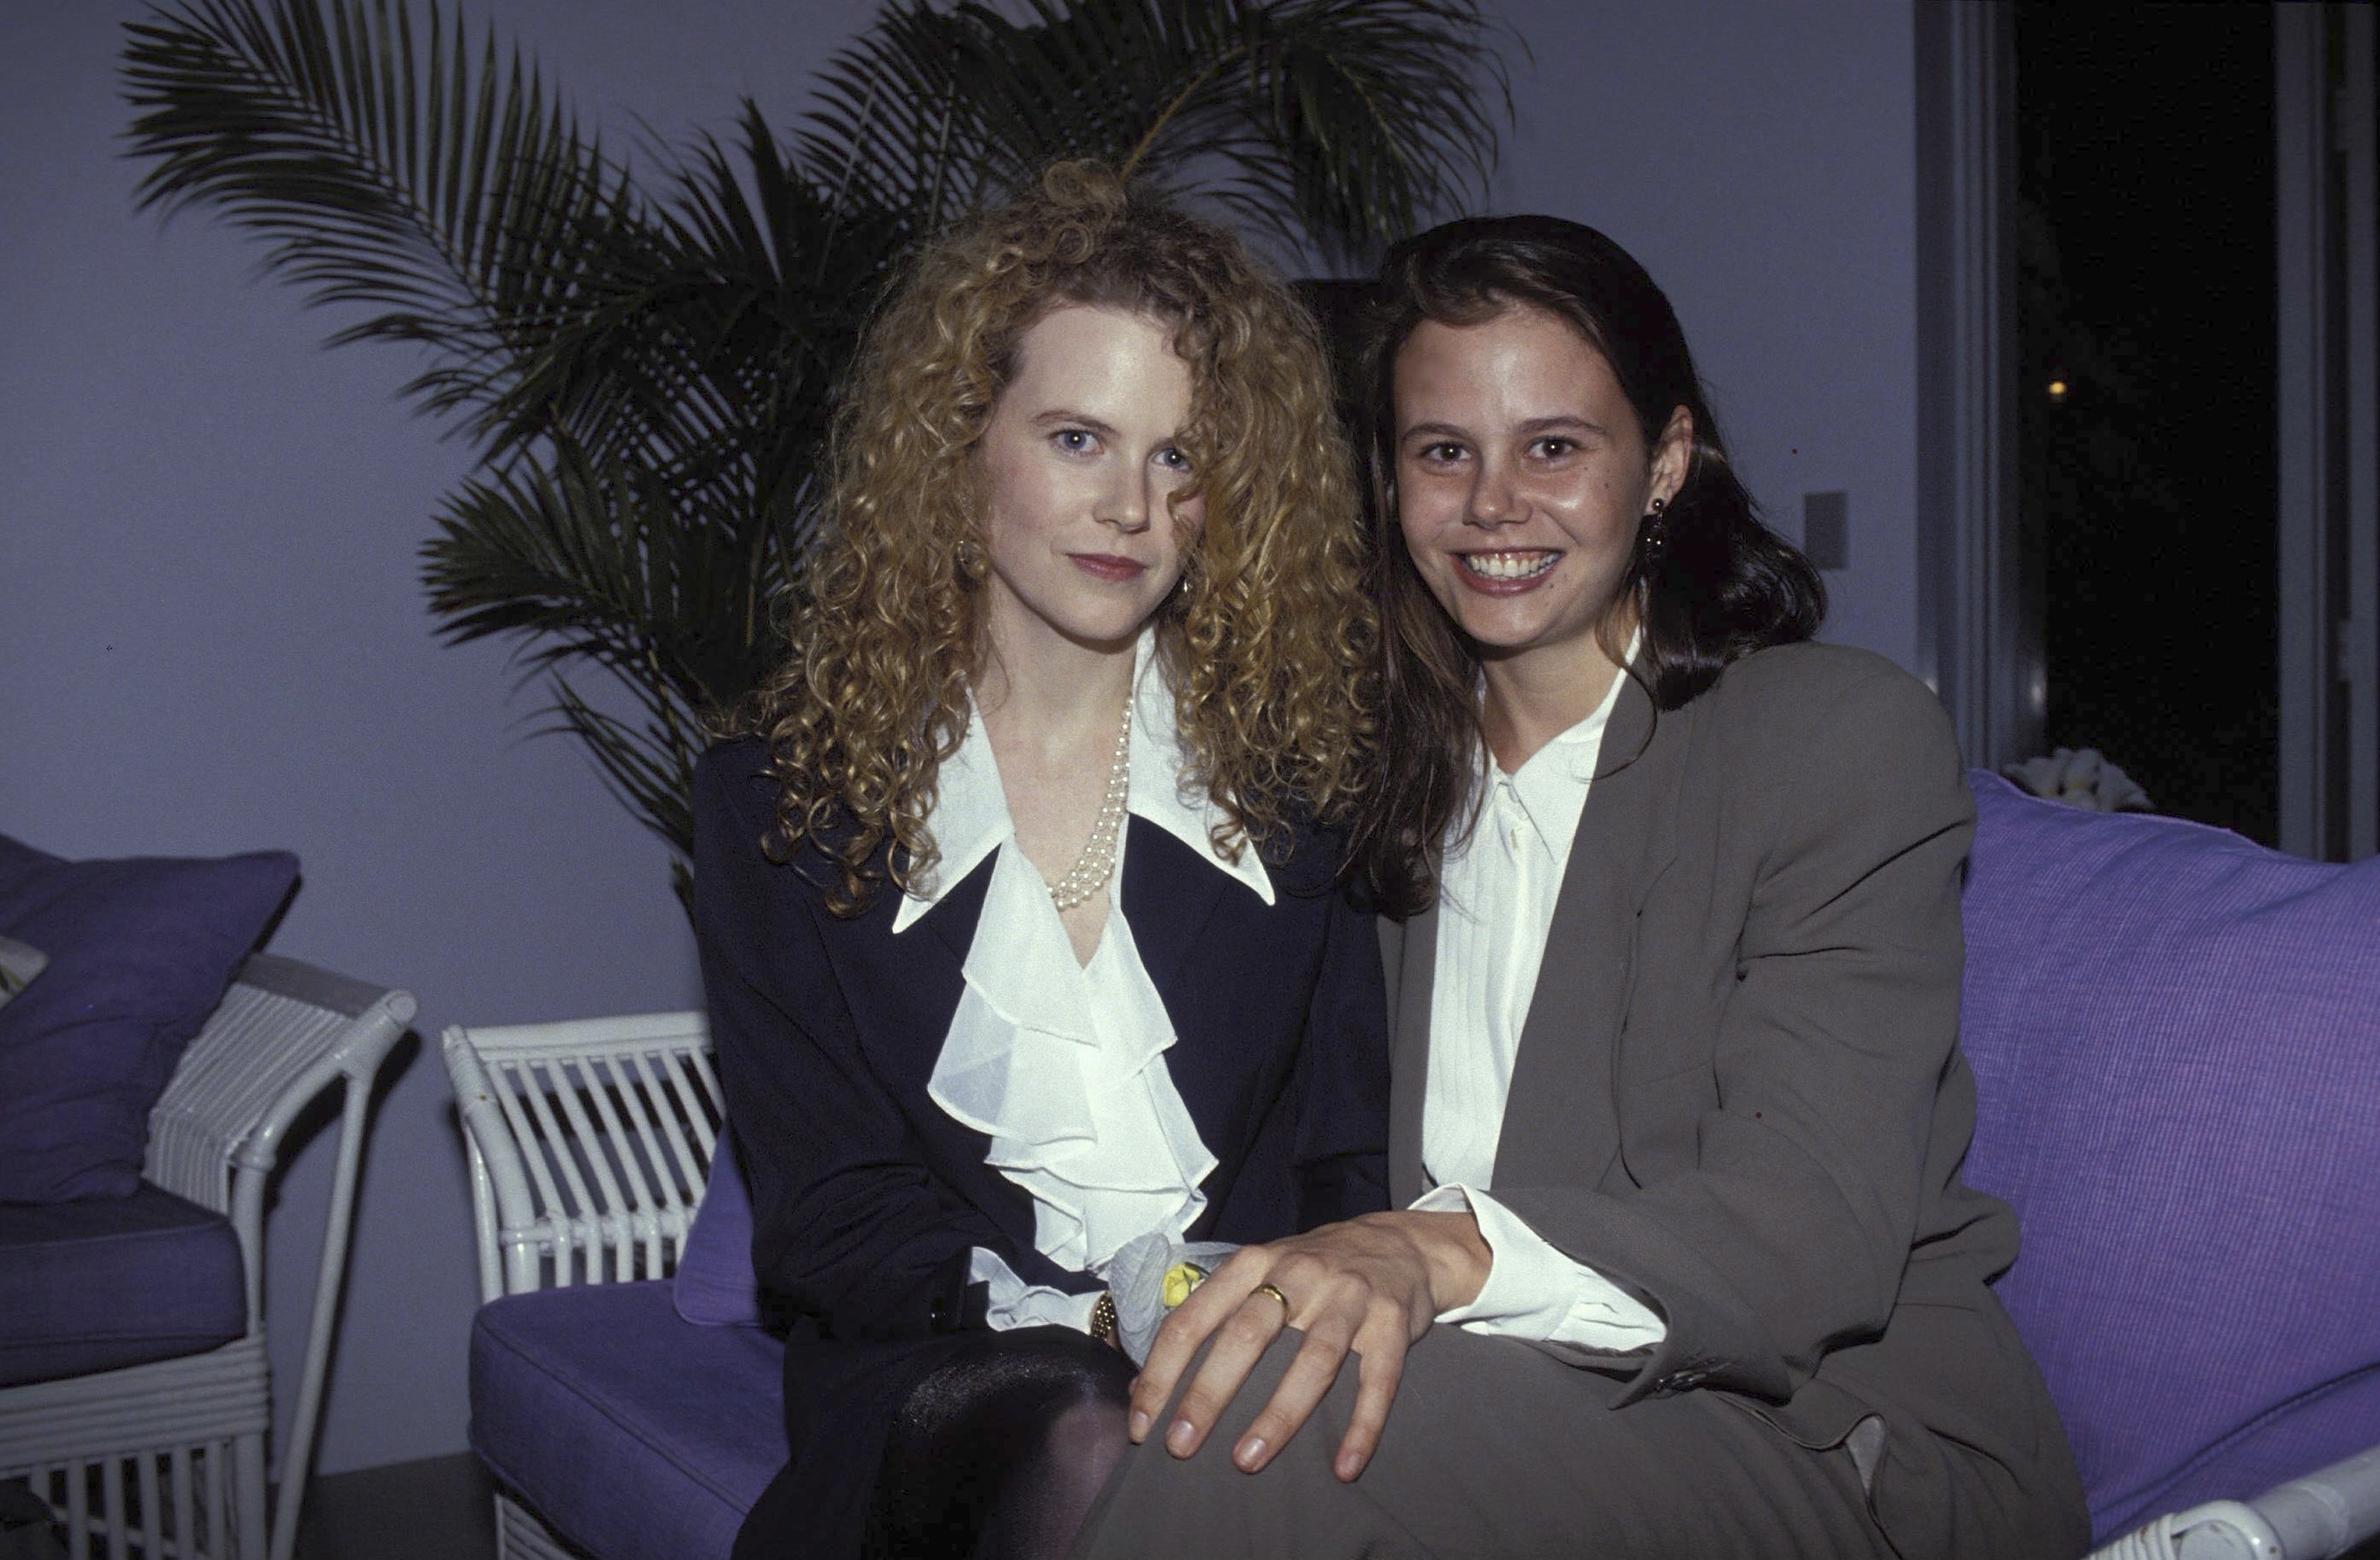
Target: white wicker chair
<point>590,1144</point>
<point>177,1447</point>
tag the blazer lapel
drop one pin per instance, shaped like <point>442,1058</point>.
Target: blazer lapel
<point>1560,1125</point>
<point>1168,895</point>
<point>909,983</point>
<point>1408,1054</point>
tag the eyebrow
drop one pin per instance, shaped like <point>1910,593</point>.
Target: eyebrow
<point>1534,426</point>
<point>1561,424</point>
<point>1059,417</point>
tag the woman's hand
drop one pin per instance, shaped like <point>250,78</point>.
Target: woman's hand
<point>1371,1285</point>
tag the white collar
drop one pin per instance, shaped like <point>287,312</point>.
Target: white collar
<point>970,816</point>
<point>1550,785</point>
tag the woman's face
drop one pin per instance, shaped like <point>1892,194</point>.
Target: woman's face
<point>1521,479</point>
<point>1075,467</point>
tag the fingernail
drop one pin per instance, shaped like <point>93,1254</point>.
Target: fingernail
<point>1139,1426</point>
<point>1250,1453</point>
<point>1177,1439</point>
<point>1350,1465</point>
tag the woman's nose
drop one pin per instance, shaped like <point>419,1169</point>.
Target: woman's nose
<point>1127,501</point>
<point>1494,500</point>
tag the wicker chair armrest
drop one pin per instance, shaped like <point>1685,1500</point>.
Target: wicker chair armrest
<point>500,1198</point>
<point>283,1032</point>
<point>589,1142</point>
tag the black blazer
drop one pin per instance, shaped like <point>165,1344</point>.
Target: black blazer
<point>867,1197</point>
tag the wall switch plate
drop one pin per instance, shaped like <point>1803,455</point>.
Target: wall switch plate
<point>1827,530</point>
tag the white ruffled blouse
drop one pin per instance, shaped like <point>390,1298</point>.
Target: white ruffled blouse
<point>1062,1063</point>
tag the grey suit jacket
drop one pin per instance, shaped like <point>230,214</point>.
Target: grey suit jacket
<point>1739,1091</point>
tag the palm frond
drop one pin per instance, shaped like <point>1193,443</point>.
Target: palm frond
<point>1345,122</point>
<point>588,564</point>
<point>649,767</point>
<point>438,184</point>
<point>1358,121</point>
<point>595,562</point>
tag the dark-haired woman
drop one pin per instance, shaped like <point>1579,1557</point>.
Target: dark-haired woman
<point>1682,1266</point>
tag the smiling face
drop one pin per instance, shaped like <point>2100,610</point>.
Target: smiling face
<point>1075,468</point>
<point>1522,478</point>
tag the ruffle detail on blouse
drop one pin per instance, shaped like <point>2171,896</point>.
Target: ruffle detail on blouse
<point>1062,1066</point>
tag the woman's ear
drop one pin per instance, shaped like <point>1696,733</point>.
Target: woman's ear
<point>1673,455</point>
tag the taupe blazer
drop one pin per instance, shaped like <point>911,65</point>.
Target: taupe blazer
<point>1739,1091</point>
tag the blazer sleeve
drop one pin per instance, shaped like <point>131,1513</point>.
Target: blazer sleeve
<point>1342,1079</point>
<point>850,1226</point>
<point>1786,1232</point>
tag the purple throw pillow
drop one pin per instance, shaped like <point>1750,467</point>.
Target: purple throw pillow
<point>715,1285</point>
<point>139,951</point>
<point>2175,1040</point>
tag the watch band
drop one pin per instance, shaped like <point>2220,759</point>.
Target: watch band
<point>1103,1318</point>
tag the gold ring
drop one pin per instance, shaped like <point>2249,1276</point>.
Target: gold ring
<point>1274,1290</point>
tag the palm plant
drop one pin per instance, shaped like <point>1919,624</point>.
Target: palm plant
<point>644,364</point>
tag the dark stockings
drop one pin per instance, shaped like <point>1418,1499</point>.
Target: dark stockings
<point>998,1453</point>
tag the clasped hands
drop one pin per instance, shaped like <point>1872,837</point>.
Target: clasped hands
<point>1369,1286</point>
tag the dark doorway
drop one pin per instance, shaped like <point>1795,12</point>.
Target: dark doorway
<point>2145,438</point>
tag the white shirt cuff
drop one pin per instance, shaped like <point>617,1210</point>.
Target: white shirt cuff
<point>1015,1303</point>
<point>1535,1291</point>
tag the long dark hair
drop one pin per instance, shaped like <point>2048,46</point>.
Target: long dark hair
<point>1720,586</point>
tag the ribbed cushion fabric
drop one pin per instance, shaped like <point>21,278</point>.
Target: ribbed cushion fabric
<point>109,1282</point>
<point>2175,1040</point>
<point>630,1432</point>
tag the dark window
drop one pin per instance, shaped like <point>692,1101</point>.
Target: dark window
<point>2146,286</point>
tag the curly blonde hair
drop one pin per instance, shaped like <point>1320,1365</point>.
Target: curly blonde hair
<point>1267,644</point>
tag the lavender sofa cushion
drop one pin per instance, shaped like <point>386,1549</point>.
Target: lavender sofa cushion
<point>139,951</point>
<point>2174,1034</point>
<point>715,1285</point>
<point>109,1281</point>
<point>633,1434</point>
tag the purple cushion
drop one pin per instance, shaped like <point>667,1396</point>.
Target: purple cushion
<point>139,952</point>
<point>110,1282</point>
<point>634,1435</point>
<point>715,1285</point>
<point>2174,1034</point>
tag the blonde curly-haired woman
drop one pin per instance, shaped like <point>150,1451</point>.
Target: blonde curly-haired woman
<point>1018,894</point>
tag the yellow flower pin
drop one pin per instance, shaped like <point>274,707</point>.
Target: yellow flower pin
<point>1179,1279</point>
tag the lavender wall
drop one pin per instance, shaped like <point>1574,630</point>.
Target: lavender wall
<point>211,638</point>
<point>1761,161</point>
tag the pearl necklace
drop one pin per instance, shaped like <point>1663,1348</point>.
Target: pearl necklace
<point>1091,869</point>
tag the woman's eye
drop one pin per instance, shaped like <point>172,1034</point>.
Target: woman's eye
<point>1074,441</point>
<point>1554,449</point>
<point>1441,454</point>
<point>1174,459</point>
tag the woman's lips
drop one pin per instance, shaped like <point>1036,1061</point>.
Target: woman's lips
<point>1508,572</point>
<point>1108,567</point>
